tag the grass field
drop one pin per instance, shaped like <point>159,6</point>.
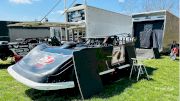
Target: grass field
<point>163,86</point>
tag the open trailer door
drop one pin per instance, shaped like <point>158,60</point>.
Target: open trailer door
<point>164,28</point>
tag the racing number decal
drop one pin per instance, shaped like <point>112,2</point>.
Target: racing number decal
<point>48,59</point>
<point>45,60</point>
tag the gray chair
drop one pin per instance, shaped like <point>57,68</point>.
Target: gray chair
<point>138,65</point>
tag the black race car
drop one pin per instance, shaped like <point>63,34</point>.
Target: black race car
<point>72,64</point>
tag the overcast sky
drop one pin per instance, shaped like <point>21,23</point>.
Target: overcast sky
<point>29,10</point>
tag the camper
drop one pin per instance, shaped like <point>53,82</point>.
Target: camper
<point>155,30</point>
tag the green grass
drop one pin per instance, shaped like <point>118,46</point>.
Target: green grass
<point>163,86</point>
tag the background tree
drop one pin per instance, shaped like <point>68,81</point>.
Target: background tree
<point>133,6</point>
<point>159,5</point>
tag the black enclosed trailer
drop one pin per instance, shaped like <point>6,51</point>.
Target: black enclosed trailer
<point>156,29</point>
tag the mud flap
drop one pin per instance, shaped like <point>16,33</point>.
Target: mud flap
<point>156,53</point>
<point>89,82</point>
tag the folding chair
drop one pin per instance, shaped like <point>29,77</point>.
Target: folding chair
<point>138,65</point>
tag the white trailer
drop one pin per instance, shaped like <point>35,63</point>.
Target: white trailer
<point>98,22</point>
<point>164,21</point>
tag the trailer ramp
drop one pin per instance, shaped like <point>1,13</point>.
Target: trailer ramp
<point>147,53</point>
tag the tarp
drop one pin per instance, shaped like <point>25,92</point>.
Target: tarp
<point>145,40</point>
<point>151,38</point>
<point>145,36</point>
<point>157,38</point>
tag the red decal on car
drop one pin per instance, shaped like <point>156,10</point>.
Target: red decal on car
<point>45,60</point>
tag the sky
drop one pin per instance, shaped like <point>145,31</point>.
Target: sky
<point>31,10</point>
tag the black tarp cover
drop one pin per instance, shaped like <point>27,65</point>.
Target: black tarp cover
<point>157,38</point>
<point>149,34</point>
<point>145,36</point>
<point>151,38</point>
